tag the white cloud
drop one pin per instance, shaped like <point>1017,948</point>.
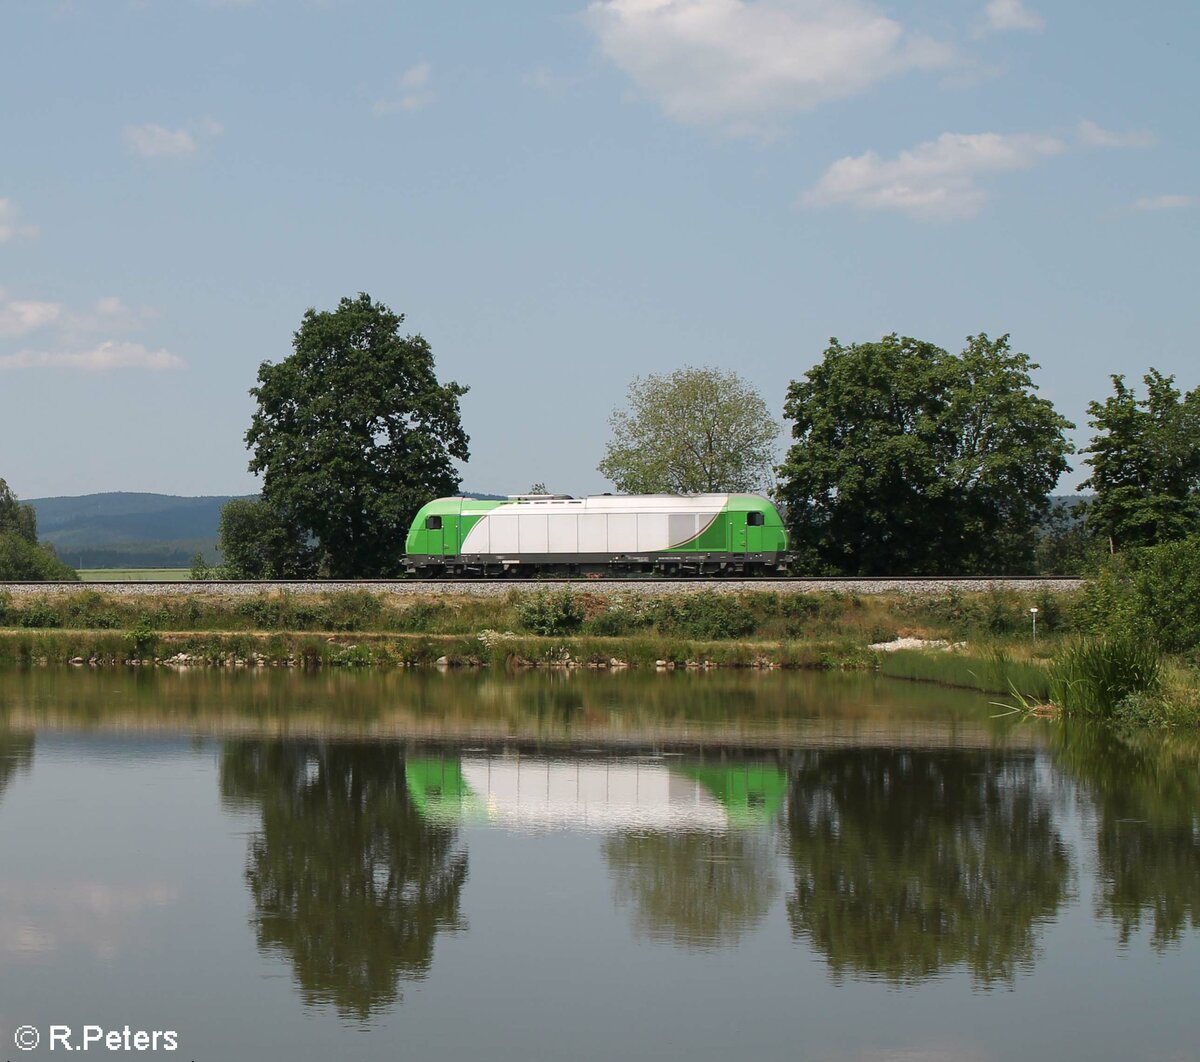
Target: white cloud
<point>415,92</point>
<point>19,317</point>
<point>102,358</point>
<point>738,64</point>
<point>156,141</point>
<point>1165,202</point>
<point>1001,16</point>
<point>1095,136</point>
<point>934,181</point>
<point>153,141</point>
<point>9,226</point>
<point>86,339</point>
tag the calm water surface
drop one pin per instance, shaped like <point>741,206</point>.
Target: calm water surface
<point>722,866</point>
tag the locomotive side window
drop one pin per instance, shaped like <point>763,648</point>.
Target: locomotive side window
<point>433,523</point>
<point>754,519</point>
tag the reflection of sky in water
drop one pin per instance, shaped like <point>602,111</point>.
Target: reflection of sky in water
<point>39,918</point>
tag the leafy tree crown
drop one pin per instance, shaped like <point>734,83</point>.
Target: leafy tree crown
<point>353,433</point>
<point>691,431</point>
<point>1145,462</point>
<point>909,459</point>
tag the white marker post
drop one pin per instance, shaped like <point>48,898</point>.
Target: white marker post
<point>1033,612</point>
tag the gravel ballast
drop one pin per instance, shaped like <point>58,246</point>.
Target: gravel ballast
<point>494,587</point>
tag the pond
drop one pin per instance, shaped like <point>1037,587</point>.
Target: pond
<point>589,865</point>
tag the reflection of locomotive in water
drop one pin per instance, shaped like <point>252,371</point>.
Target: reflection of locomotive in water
<point>602,795</point>
<point>698,534</point>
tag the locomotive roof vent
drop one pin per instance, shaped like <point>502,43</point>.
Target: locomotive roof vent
<point>539,497</point>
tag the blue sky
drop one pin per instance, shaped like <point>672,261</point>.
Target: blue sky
<point>561,195</point>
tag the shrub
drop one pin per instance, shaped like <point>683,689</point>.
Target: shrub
<point>422,617</point>
<point>559,612</point>
<point>793,606</point>
<point>1092,677</point>
<point>92,610</point>
<point>265,613</point>
<point>305,618</point>
<point>1156,711</point>
<point>800,606</point>
<point>1000,614</point>
<point>617,622</point>
<point>39,613</point>
<point>142,639</point>
<point>1051,616</point>
<point>351,610</point>
<point>1151,593</point>
<point>705,615</point>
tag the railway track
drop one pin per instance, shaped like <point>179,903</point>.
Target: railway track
<point>916,585</point>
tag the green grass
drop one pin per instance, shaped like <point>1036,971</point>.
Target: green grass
<point>134,575</point>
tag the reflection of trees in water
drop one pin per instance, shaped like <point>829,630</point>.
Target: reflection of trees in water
<point>16,754</point>
<point>348,880</point>
<point>909,862</point>
<point>1146,790</point>
<point>693,889</point>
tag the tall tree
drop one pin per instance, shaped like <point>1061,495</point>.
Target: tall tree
<point>258,542</point>
<point>353,433</point>
<point>21,555</point>
<point>691,431</point>
<point>15,517</point>
<point>909,459</point>
<point>1145,461</point>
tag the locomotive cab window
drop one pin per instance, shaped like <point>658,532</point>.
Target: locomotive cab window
<point>754,519</point>
<point>433,523</point>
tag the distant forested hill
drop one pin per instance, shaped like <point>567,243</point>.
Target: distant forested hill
<point>127,530</point>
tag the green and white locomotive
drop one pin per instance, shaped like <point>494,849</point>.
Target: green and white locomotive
<point>529,534</point>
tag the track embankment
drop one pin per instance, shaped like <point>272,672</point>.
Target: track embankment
<point>904,585</point>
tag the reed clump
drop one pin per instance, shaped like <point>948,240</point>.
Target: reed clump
<point>1092,677</point>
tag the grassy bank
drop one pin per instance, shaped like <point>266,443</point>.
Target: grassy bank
<point>574,628</point>
<point>759,615</point>
<point>557,627</point>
